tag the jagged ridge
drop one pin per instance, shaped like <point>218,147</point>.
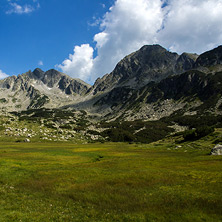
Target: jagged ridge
<point>38,89</point>
<point>148,84</point>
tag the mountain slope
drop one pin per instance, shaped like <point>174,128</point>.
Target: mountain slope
<point>40,89</point>
<point>177,90</point>
<point>148,84</point>
<point>191,92</point>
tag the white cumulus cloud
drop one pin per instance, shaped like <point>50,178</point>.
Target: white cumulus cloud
<point>178,25</point>
<point>80,63</point>
<point>3,75</point>
<point>192,25</point>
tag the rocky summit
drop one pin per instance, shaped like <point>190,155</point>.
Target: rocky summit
<point>37,89</point>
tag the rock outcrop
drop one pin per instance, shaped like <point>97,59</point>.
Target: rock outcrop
<point>217,150</point>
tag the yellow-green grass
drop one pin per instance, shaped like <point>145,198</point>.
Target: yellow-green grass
<point>109,182</point>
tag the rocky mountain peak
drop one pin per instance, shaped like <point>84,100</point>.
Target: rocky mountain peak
<point>186,61</point>
<point>40,89</point>
<point>155,56</point>
<point>38,73</point>
<point>152,52</point>
<point>150,63</point>
<point>51,77</point>
<point>210,58</point>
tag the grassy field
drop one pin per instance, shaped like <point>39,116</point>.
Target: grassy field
<point>110,182</point>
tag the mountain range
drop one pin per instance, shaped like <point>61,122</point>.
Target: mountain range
<point>148,84</point>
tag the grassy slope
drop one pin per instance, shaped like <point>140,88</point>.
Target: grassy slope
<point>110,182</point>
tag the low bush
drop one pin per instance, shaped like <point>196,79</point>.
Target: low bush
<point>93,132</point>
<point>66,126</point>
<point>197,133</point>
<point>136,131</point>
<point>3,100</point>
<point>194,121</point>
<point>189,135</point>
<point>119,135</point>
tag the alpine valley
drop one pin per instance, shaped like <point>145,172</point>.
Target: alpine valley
<point>144,143</point>
<point>150,94</point>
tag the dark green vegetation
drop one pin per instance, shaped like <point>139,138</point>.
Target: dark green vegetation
<point>38,101</point>
<point>194,121</point>
<point>169,180</point>
<point>3,100</point>
<point>197,133</point>
<point>136,131</point>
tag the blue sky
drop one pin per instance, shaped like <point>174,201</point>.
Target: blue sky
<point>86,38</point>
<point>46,34</point>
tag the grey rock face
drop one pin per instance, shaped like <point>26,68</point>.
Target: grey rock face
<point>37,89</point>
<point>217,150</point>
<point>186,62</point>
<point>72,86</point>
<point>154,63</point>
<point>8,82</point>
<point>150,63</point>
<point>210,58</point>
<point>38,73</point>
<point>51,77</point>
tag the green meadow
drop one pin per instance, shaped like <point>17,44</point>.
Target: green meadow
<point>162,181</point>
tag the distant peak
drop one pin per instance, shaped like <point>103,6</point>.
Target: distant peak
<point>38,70</point>
<point>210,58</point>
<point>152,47</point>
<point>53,70</point>
<point>193,56</point>
<point>38,73</point>
<point>219,47</point>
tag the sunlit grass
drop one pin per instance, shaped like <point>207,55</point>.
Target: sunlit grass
<point>109,182</point>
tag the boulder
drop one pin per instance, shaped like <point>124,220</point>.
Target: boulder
<point>27,140</point>
<point>217,150</point>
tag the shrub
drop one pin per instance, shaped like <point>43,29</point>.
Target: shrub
<point>189,135</point>
<point>2,128</point>
<point>65,126</point>
<point>136,131</point>
<point>118,135</point>
<point>93,132</point>
<point>204,131</point>
<point>194,121</point>
<point>3,100</point>
<point>197,133</point>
